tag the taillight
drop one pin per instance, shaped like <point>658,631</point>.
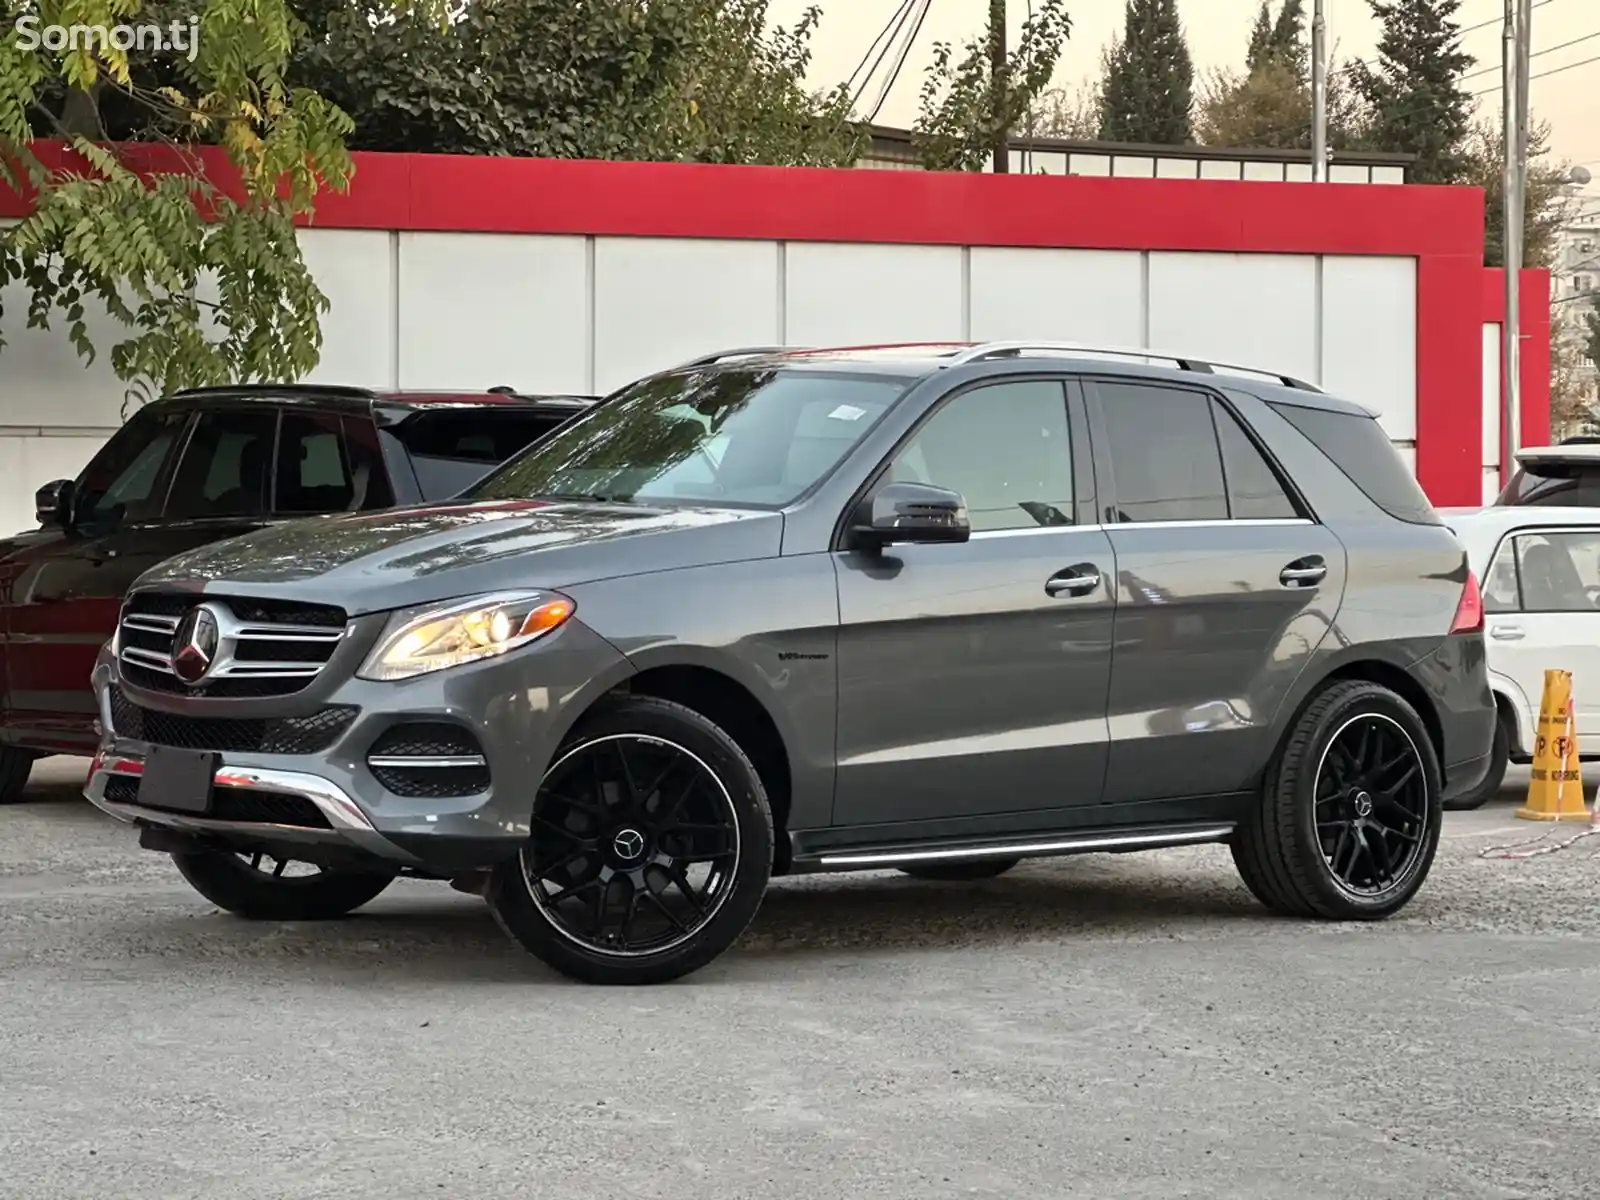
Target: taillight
<point>1469,609</point>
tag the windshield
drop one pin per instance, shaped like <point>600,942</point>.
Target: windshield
<point>1557,483</point>
<point>761,438</point>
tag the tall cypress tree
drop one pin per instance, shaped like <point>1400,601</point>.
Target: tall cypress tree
<point>1417,103</point>
<point>1148,93</point>
<point>1287,42</point>
<point>1260,40</point>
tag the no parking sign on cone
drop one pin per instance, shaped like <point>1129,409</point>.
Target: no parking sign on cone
<point>1555,791</point>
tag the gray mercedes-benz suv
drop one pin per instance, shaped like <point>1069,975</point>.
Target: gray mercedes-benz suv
<point>937,608</point>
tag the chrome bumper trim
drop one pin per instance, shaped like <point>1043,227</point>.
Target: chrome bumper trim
<point>343,814</point>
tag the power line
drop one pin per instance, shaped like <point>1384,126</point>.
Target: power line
<point>900,59</point>
<point>1501,20</point>
<point>1542,74</point>
<point>1588,37</point>
<point>890,31</point>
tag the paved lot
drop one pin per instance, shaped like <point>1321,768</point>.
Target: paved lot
<point>1099,1027</point>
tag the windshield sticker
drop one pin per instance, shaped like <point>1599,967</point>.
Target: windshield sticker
<point>848,412</point>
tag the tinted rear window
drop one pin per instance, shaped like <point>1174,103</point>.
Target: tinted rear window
<point>452,450</point>
<point>1576,484</point>
<point>1359,447</point>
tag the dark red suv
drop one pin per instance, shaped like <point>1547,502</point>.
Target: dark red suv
<point>204,465</point>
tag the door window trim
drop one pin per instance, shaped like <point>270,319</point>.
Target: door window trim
<point>1106,468</point>
<point>1079,453</point>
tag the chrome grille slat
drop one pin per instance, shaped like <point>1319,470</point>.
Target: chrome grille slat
<point>252,651</point>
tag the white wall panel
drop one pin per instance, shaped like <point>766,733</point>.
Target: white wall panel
<point>1133,166</point>
<point>1369,337</point>
<point>480,309</point>
<point>840,295</point>
<point>1211,168</point>
<point>1491,395</point>
<point>1091,164</point>
<point>1265,171</point>
<point>1059,295</point>
<point>1257,310</point>
<point>43,380</point>
<point>28,463</point>
<point>1177,168</point>
<point>355,270</point>
<point>660,301</point>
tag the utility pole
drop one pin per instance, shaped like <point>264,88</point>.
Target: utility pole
<point>998,86</point>
<point>1513,70</point>
<point>1319,93</point>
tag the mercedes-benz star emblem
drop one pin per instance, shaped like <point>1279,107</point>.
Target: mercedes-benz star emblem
<point>629,844</point>
<point>194,645</point>
<point>1363,804</point>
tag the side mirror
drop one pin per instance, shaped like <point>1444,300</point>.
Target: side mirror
<point>52,503</point>
<point>910,513</point>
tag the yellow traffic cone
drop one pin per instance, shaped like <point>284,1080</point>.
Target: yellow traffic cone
<point>1555,792</point>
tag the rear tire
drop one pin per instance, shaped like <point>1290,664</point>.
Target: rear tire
<point>234,885</point>
<point>15,767</point>
<point>1490,787</point>
<point>609,889</point>
<point>961,872</point>
<point>1345,828</point>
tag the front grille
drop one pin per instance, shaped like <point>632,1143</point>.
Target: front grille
<point>233,804</point>
<point>265,647</point>
<point>458,767</point>
<point>278,735</point>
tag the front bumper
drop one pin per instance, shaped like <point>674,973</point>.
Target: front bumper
<point>330,806</point>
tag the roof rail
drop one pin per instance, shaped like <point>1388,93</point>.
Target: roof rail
<point>705,360</point>
<point>317,389</point>
<point>1201,366</point>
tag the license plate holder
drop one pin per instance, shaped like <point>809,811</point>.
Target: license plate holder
<point>178,780</point>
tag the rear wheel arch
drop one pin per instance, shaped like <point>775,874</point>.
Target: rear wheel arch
<point>1368,670</point>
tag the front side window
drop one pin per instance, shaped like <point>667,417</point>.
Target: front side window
<point>1005,447</point>
<point>226,470</point>
<point>1559,572</point>
<point>123,481</point>
<point>1165,461</point>
<point>758,438</point>
<point>1502,592</point>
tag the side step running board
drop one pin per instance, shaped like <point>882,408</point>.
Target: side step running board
<point>1098,841</point>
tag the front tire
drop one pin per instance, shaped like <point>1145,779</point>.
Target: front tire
<point>650,851</point>
<point>249,889</point>
<point>15,767</point>
<point>1490,787</point>
<point>961,872</point>
<point>1348,819</point>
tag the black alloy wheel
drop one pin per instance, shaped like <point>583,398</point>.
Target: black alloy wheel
<point>649,850</point>
<point>261,886</point>
<point>1348,818</point>
<point>1372,804</point>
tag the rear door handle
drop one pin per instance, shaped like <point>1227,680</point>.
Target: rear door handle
<point>1507,633</point>
<point>1303,572</point>
<point>1077,580</point>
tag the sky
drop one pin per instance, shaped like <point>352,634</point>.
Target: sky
<point>1218,32</point>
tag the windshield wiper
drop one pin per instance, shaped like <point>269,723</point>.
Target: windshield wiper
<point>593,497</point>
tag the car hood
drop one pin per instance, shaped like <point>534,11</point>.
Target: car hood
<point>393,559</point>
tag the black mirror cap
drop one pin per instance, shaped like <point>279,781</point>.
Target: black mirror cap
<point>911,513</point>
<point>52,502</point>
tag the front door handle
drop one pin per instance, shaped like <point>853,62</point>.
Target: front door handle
<point>1507,633</point>
<point>1077,580</point>
<point>1304,572</point>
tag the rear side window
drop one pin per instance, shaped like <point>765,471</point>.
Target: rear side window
<point>1558,483</point>
<point>1165,462</point>
<point>1255,493</point>
<point>1358,446</point>
<point>450,451</point>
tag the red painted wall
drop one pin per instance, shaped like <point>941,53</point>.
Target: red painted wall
<point>1442,228</point>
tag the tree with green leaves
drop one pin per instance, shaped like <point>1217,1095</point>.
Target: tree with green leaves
<point>1288,42</point>
<point>1271,107</point>
<point>203,274</point>
<point>1544,202</point>
<point>1414,95</point>
<point>957,108</point>
<point>692,80</point>
<point>1148,91</point>
<point>1260,39</point>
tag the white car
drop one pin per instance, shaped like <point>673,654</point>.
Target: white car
<point>1540,572</point>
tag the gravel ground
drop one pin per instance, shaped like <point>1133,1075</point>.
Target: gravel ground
<point>1102,1027</point>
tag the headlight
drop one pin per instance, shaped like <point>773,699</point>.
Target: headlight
<point>419,640</point>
